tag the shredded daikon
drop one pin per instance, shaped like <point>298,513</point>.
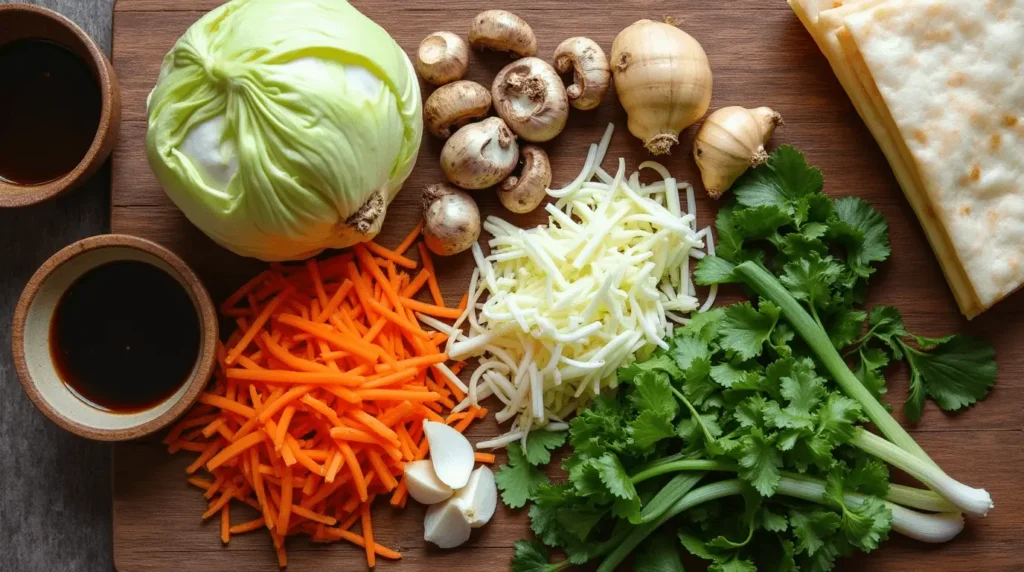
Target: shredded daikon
<point>569,303</point>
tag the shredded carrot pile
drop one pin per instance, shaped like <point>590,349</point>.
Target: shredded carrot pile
<point>320,397</point>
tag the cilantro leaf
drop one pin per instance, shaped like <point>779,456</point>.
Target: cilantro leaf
<point>728,374</point>
<point>761,221</point>
<point>653,392</point>
<point>614,477</point>
<point>745,329</point>
<point>809,279</point>
<point>660,554</point>
<point>704,325</point>
<point>784,179</point>
<point>956,373</point>
<point>531,556</point>
<point>730,240</point>
<point>813,528</point>
<point>540,443</point>
<point>862,230</point>
<point>660,361</point>
<point>714,270</point>
<point>734,564</point>
<point>692,355</point>
<point>844,326</point>
<point>518,480</point>
<point>759,462</point>
<point>886,325</point>
<point>869,476</point>
<point>650,427</point>
<point>802,388</point>
<point>579,519</point>
<point>862,526</point>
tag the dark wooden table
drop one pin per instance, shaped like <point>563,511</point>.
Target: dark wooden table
<point>54,486</point>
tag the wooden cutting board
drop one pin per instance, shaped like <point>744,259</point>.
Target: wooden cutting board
<point>760,55</point>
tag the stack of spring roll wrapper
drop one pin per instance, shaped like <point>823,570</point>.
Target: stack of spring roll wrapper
<point>940,85</point>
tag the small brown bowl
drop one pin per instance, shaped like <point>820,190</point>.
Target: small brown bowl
<point>31,339</point>
<point>25,21</point>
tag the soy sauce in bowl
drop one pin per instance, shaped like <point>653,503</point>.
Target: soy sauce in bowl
<point>51,104</point>
<point>125,336</point>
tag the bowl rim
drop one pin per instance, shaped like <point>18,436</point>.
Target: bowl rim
<point>15,195</point>
<point>205,310</point>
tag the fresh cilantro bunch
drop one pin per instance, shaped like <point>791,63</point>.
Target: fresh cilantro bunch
<point>823,251</point>
<point>724,406</point>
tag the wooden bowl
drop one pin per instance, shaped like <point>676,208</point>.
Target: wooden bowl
<point>24,21</point>
<point>31,339</point>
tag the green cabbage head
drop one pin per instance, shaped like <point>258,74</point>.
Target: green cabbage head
<point>284,127</point>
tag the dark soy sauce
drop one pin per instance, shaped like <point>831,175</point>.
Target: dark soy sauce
<point>51,105</point>
<point>125,336</point>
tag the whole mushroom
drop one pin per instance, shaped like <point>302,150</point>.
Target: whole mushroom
<point>529,95</point>
<point>524,193</point>
<point>480,155</point>
<point>451,219</point>
<point>454,105</point>
<point>442,57</point>
<point>591,73</point>
<point>502,31</point>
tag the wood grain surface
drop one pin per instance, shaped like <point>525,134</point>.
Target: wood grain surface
<point>760,55</point>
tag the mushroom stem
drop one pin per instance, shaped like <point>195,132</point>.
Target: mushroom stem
<point>591,72</point>
<point>502,31</point>
<point>454,105</point>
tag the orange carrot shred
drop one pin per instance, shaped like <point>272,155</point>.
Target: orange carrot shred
<point>428,265</point>
<point>364,512</point>
<point>390,255</point>
<point>484,458</point>
<point>409,240</point>
<point>255,327</point>
<point>225,524</point>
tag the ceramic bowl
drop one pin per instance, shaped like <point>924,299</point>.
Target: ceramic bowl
<point>24,21</point>
<point>31,335</point>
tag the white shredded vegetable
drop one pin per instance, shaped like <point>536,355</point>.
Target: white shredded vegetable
<point>555,310</point>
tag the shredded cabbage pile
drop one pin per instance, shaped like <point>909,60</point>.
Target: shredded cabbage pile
<point>555,310</point>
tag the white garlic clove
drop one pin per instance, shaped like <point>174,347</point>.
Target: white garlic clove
<point>730,141</point>
<point>423,484</point>
<point>445,526</point>
<point>450,452</point>
<point>479,498</point>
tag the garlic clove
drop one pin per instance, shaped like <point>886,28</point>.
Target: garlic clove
<point>730,141</point>
<point>423,485</point>
<point>768,119</point>
<point>479,498</point>
<point>445,526</point>
<point>450,452</point>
